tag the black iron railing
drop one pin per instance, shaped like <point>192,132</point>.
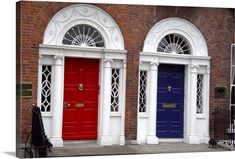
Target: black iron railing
<point>224,128</point>
<point>39,144</point>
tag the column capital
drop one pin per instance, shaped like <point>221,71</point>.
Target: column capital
<point>194,68</point>
<point>107,62</point>
<point>154,65</point>
<point>59,59</point>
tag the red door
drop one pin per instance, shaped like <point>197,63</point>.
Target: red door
<point>80,99</point>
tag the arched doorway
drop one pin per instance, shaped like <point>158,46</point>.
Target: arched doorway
<point>174,81</point>
<point>82,73</point>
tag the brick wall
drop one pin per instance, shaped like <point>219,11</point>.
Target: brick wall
<point>216,25</point>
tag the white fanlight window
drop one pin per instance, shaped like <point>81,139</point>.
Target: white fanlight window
<point>174,43</point>
<point>83,35</point>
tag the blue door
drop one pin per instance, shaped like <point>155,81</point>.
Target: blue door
<point>170,101</point>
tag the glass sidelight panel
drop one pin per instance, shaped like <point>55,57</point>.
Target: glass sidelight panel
<point>46,88</point>
<point>115,90</point>
<point>199,93</point>
<point>142,91</point>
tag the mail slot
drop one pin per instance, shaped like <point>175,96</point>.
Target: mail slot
<point>79,104</point>
<point>169,105</point>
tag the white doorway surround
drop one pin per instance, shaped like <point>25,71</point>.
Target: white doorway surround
<point>112,56</point>
<point>196,96</point>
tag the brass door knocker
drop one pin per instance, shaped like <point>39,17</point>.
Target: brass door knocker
<point>169,88</point>
<point>80,87</point>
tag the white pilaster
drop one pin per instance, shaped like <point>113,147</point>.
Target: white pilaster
<point>152,111</point>
<point>105,138</point>
<point>206,96</point>
<point>123,101</point>
<point>39,80</point>
<point>56,133</point>
<point>192,138</point>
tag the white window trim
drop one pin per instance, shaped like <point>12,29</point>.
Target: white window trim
<point>144,67</point>
<point>45,60</point>
<point>117,64</point>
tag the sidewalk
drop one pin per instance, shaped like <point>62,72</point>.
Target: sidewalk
<point>90,149</point>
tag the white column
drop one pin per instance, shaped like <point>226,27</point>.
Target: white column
<point>206,96</point>
<point>123,101</point>
<point>152,110</point>
<point>56,133</point>
<point>39,80</point>
<point>105,138</point>
<point>192,138</point>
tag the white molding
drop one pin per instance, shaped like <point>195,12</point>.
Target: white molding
<point>86,49</point>
<point>197,60</point>
<point>146,57</point>
<point>113,52</point>
<point>75,51</point>
<point>83,14</point>
<point>179,26</point>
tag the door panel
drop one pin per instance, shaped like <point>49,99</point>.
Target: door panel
<point>170,101</point>
<point>80,98</point>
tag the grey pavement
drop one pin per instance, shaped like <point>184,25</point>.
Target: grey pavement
<point>91,149</point>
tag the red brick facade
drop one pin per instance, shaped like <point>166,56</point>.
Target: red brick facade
<point>134,21</point>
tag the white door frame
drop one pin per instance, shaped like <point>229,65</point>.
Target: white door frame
<point>112,55</point>
<point>197,62</point>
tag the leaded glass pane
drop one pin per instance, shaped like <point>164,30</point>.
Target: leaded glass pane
<point>174,43</point>
<point>83,35</point>
<point>46,88</point>
<point>115,90</point>
<point>233,113</point>
<point>142,91</point>
<point>233,55</point>
<point>233,75</point>
<point>233,95</point>
<point>199,94</point>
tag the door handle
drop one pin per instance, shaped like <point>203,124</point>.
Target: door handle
<point>80,105</point>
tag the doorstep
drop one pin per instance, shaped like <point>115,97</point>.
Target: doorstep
<point>93,149</point>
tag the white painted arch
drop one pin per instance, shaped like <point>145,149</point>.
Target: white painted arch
<point>179,26</point>
<point>113,55</point>
<point>196,126</point>
<point>84,14</point>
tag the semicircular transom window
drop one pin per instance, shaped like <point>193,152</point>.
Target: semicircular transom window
<point>83,35</point>
<point>174,43</point>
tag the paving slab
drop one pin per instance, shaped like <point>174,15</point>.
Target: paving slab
<point>91,149</point>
